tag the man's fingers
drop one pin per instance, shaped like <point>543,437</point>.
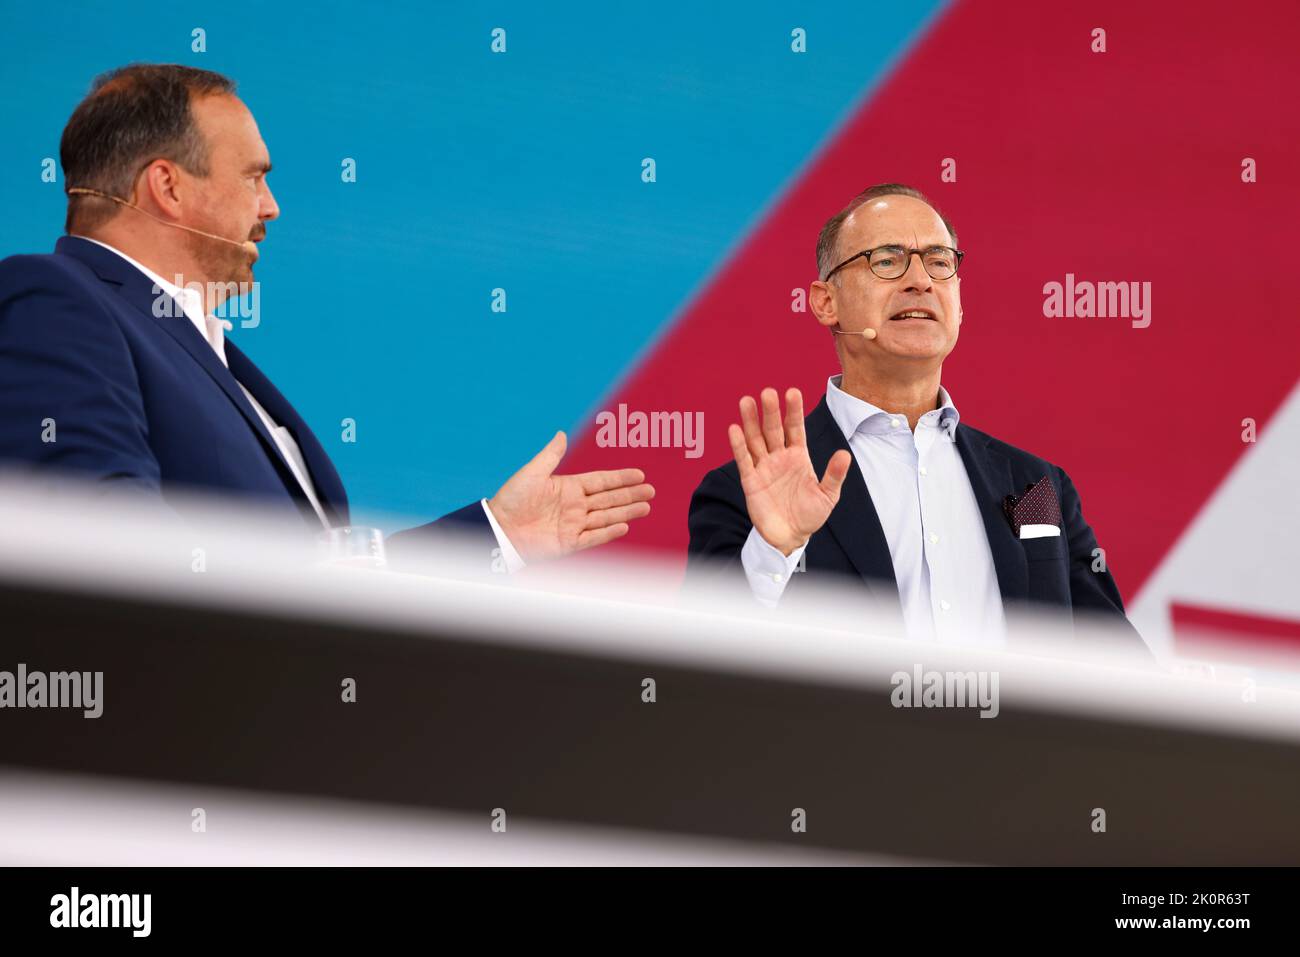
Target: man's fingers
<point>773,437</point>
<point>620,496</point>
<point>753,434</point>
<point>794,417</point>
<point>740,451</point>
<point>614,516</point>
<point>836,470</point>
<point>548,459</point>
<point>600,536</point>
<point>594,482</point>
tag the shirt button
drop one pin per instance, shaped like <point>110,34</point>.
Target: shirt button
<point>778,578</point>
<point>934,539</point>
<point>944,604</point>
<point>924,471</point>
<point>893,423</point>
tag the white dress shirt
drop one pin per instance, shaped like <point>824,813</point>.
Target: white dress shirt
<point>213,331</point>
<point>947,582</point>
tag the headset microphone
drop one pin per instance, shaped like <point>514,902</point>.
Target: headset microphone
<point>865,333</point>
<point>247,246</point>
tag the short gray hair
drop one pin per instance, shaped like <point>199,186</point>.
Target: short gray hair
<point>828,239</point>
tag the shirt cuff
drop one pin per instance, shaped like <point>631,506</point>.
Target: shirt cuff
<point>514,562</point>
<point>767,569</point>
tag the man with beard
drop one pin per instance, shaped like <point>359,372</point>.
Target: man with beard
<point>113,367</point>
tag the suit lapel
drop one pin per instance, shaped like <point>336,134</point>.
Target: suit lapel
<point>854,521</point>
<point>137,289</point>
<point>991,480</point>
<point>325,478</point>
<point>856,525</point>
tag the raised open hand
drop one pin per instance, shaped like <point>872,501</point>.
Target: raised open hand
<point>786,503</point>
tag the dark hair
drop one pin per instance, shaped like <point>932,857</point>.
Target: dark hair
<point>131,116</point>
<point>828,239</point>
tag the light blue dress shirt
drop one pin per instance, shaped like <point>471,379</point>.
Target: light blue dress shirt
<point>947,582</point>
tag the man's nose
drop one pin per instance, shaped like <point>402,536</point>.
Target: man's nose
<point>916,278</point>
<point>269,208</point>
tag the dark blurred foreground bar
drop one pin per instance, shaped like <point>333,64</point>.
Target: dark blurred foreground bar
<point>452,719</point>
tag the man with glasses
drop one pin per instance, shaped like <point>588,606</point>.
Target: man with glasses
<point>942,526</point>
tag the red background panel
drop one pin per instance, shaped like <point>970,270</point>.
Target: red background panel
<point>1115,166</point>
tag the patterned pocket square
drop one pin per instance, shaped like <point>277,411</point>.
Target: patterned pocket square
<point>1037,506</point>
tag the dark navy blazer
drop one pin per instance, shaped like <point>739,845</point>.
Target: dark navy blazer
<point>138,400</point>
<point>1053,574</point>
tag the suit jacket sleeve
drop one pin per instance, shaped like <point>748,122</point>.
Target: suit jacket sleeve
<point>1092,593</point>
<point>66,374</point>
<point>719,525</point>
<point>466,530</point>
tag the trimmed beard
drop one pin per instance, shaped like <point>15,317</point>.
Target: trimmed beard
<point>220,262</point>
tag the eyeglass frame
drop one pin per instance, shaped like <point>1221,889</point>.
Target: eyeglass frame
<point>910,252</point>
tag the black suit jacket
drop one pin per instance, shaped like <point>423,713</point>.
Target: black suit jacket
<point>1043,574</point>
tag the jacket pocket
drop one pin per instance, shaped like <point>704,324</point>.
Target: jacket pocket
<point>1043,549</point>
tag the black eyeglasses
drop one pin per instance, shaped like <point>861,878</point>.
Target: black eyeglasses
<point>892,262</point>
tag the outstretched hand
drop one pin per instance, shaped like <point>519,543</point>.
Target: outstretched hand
<point>547,515</point>
<point>786,503</point>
